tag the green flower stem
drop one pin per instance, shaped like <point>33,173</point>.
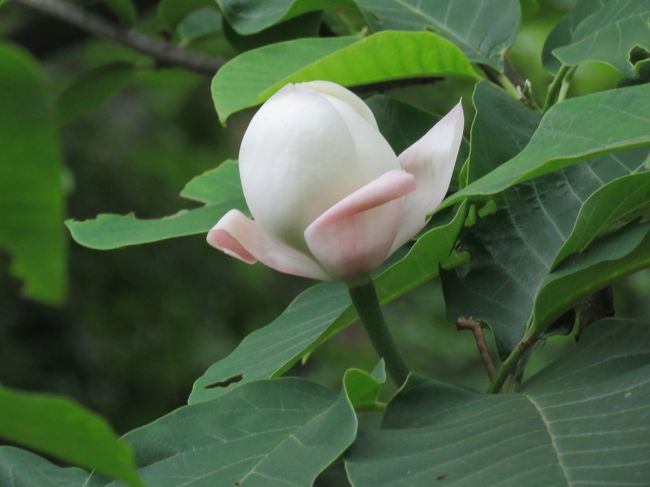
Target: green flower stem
<point>555,87</point>
<point>509,365</point>
<point>364,297</point>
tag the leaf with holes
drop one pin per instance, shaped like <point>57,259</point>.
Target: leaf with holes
<point>219,189</point>
<point>605,34</point>
<point>581,421</point>
<point>319,313</point>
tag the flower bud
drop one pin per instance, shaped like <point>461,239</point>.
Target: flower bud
<point>328,196</point>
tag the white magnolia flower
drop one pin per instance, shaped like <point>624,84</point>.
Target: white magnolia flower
<point>329,197</point>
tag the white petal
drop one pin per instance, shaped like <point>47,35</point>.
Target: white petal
<point>346,96</point>
<point>245,240</point>
<point>431,160</point>
<point>355,235</point>
<point>303,151</point>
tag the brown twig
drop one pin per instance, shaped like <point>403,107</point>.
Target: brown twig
<point>164,53</point>
<point>484,352</point>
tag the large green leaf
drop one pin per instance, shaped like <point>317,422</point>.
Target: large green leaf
<point>268,433</point>
<point>581,421</point>
<point>31,181</point>
<point>20,468</point>
<point>92,89</point>
<point>319,313</point>
<point>483,29</point>
<point>252,77</point>
<point>516,245</point>
<point>63,429</point>
<point>570,132</point>
<point>251,16</point>
<point>607,34</point>
<point>219,189</point>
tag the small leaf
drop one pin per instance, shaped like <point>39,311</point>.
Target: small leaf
<point>252,77</point>
<point>61,428</point>
<point>172,12</point>
<point>200,23</point>
<point>124,10</point>
<point>363,389</point>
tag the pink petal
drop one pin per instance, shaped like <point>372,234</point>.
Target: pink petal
<point>244,239</point>
<point>355,235</point>
<point>431,160</point>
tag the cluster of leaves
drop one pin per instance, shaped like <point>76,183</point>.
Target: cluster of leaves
<point>551,207</point>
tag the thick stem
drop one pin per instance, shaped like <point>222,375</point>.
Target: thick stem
<point>365,301</point>
<point>166,54</point>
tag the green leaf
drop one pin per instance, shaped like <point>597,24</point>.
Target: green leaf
<point>483,29</point>
<point>200,23</point>
<point>563,32</point>
<point>219,189</point>
<point>581,421</point>
<point>608,34</point>
<point>124,10</point>
<point>598,213</point>
<point>495,113</point>
<point>570,132</point>
<point>615,256</point>
<point>516,245</point>
<point>90,90</point>
<point>252,77</point>
<point>31,186</point>
<point>319,313</point>
<point>20,468</point>
<point>63,429</point>
<point>270,433</point>
<point>172,12</point>
<point>364,388</point>
<point>251,16</point>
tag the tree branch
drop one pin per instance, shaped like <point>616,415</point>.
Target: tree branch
<point>164,53</point>
<point>483,350</point>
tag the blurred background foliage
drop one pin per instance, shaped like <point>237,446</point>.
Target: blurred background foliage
<point>139,324</point>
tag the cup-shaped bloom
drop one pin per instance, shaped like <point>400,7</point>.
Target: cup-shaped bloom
<point>328,196</point>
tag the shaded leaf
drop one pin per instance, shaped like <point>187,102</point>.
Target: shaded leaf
<point>252,77</point>
<point>63,429</point>
<point>172,12</point>
<point>513,248</point>
<point>90,90</point>
<point>608,34</point>
<point>364,388</point>
<point>483,29</point>
<point>583,420</point>
<point>124,10</point>
<point>31,181</point>
<point>252,16</point>
<point>200,23</point>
